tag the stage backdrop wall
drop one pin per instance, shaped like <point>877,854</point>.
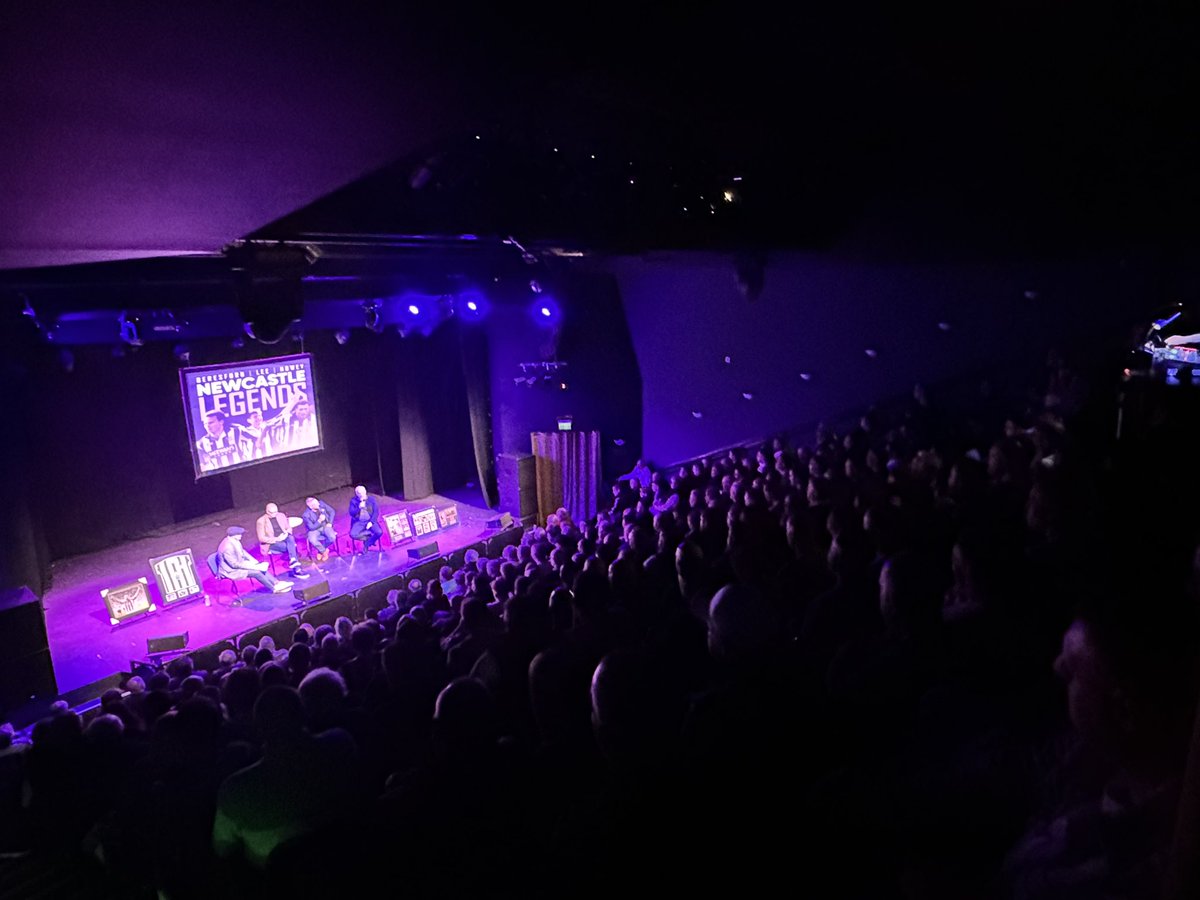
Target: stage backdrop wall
<point>110,446</point>
<point>819,314</point>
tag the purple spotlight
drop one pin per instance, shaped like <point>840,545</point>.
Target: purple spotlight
<point>472,305</point>
<point>545,311</point>
<point>414,309</point>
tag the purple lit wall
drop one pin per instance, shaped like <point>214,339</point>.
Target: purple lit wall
<point>819,315</point>
<point>602,376</point>
<point>135,132</point>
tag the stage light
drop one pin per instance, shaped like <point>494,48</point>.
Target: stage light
<point>373,315</point>
<point>535,285</point>
<point>471,304</point>
<point>545,311</point>
<point>128,328</point>
<point>342,337</point>
<point>268,280</point>
<point>414,309</point>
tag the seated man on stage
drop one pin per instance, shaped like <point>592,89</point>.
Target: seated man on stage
<point>275,536</point>
<point>234,561</point>
<point>318,519</point>
<point>364,518</point>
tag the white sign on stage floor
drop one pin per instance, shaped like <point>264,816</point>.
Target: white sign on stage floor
<point>177,576</point>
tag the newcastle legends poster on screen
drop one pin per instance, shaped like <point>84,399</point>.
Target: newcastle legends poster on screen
<point>239,414</point>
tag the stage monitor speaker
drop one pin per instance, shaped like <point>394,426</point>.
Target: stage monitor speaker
<point>516,477</point>
<point>311,591</point>
<point>22,624</point>
<point>166,643</point>
<point>26,673</point>
<point>424,551</point>
<point>502,521</point>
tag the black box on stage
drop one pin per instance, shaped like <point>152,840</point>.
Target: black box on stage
<point>424,551</point>
<point>502,521</point>
<point>26,672</point>
<point>516,477</point>
<point>311,591</point>
<point>166,643</point>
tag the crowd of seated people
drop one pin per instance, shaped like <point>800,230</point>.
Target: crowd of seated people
<point>909,660</point>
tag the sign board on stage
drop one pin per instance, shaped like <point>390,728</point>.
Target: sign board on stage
<point>448,516</point>
<point>127,600</point>
<point>177,576</point>
<point>398,526</point>
<point>425,521</point>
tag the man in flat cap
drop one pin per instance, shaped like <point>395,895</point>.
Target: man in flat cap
<point>234,561</point>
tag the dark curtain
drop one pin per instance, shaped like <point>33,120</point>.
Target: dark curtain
<point>473,346</point>
<point>567,471</point>
<point>24,551</point>
<point>441,398</point>
<point>415,454</point>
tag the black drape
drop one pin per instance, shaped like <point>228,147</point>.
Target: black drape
<point>443,400</point>
<point>24,552</point>
<point>415,453</point>
<point>473,347</point>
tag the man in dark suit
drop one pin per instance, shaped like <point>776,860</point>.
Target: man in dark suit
<point>318,519</point>
<point>364,518</point>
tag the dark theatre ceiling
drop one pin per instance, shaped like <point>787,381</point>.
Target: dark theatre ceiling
<point>426,136</point>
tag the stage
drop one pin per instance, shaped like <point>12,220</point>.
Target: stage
<point>85,648</point>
